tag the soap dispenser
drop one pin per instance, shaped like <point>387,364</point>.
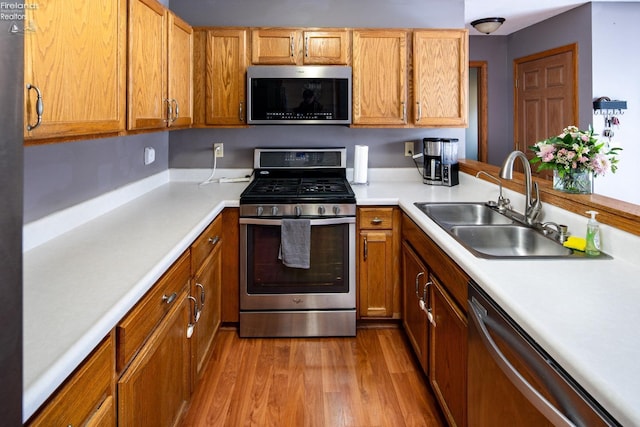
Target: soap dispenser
<point>593,235</point>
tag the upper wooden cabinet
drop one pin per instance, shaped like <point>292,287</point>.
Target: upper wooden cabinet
<point>440,78</point>
<point>226,69</point>
<point>160,59</point>
<point>75,60</point>
<point>292,46</point>
<point>380,77</point>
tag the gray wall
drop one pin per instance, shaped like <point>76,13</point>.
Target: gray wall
<point>192,148</point>
<point>493,50</point>
<point>57,176</point>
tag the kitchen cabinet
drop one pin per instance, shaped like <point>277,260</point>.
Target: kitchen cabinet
<point>206,268</point>
<point>74,69</point>
<point>447,324</point>
<point>440,78</point>
<point>153,352</point>
<point>380,77</point>
<point>293,46</point>
<point>160,67</point>
<point>225,83</point>
<point>415,282</point>
<point>87,397</point>
<point>378,262</point>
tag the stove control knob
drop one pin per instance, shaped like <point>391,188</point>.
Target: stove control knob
<point>297,211</point>
<point>274,210</point>
<point>336,210</point>
<point>259,211</point>
<point>321,210</point>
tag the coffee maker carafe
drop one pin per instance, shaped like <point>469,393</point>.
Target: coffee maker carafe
<point>440,165</point>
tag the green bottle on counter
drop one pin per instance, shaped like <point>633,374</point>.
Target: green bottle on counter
<point>593,235</point>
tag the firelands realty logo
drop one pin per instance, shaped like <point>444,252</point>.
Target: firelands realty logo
<point>15,11</point>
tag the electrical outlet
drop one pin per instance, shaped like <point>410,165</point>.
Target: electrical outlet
<point>408,149</point>
<point>218,148</point>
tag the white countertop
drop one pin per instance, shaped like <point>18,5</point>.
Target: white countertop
<point>79,285</point>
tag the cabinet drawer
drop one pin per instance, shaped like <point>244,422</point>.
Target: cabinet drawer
<point>376,218</point>
<point>138,324</point>
<point>205,243</point>
<point>83,393</point>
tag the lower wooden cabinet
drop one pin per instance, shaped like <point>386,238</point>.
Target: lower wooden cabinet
<point>155,388</point>
<point>444,292</point>
<point>378,262</point>
<point>448,354</point>
<point>415,280</point>
<point>86,398</point>
<point>206,297</point>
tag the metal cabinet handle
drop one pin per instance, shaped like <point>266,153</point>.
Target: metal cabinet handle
<point>39,107</point>
<point>176,110</point>
<point>306,46</point>
<point>404,111</point>
<point>169,299</point>
<point>366,248</point>
<point>292,46</point>
<point>478,313</point>
<point>169,111</point>
<point>419,112</point>
<point>376,221</point>
<point>240,112</point>
<point>196,312</point>
<point>202,295</point>
<point>424,289</point>
<point>214,240</point>
<point>417,281</point>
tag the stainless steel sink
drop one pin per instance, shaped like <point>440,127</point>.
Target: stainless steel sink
<point>450,214</point>
<point>507,241</point>
<point>487,233</point>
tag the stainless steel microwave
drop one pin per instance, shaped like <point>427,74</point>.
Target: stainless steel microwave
<point>299,95</point>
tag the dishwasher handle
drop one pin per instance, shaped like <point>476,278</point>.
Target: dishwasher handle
<point>478,313</point>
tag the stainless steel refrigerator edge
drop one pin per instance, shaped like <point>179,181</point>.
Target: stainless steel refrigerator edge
<point>11,184</point>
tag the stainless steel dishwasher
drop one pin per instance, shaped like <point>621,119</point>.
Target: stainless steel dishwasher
<point>513,382</point>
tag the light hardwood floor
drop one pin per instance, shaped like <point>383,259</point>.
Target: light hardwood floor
<point>371,380</point>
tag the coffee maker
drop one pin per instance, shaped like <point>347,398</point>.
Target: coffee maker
<point>440,157</point>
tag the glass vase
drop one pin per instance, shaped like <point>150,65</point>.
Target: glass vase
<point>579,181</point>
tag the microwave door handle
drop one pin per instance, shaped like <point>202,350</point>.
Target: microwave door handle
<point>531,394</point>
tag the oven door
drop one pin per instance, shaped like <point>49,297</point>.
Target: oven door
<point>267,284</point>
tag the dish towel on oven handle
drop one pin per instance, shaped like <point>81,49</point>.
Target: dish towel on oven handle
<point>295,243</point>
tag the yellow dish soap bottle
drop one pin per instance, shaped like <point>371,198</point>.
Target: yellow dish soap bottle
<point>593,235</point>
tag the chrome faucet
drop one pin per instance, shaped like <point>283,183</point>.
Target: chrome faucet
<point>533,206</point>
<point>503,202</point>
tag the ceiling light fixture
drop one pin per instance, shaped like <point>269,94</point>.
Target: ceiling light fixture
<point>487,25</point>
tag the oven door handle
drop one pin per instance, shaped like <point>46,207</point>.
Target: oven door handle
<point>314,222</point>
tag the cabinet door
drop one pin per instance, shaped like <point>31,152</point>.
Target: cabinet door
<point>275,46</point>
<point>440,77</point>
<point>415,277</point>
<point>86,398</point>
<point>155,388</point>
<point>76,58</point>
<point>326,47</point>
<point>380,77</point>
<point>448,360</point>
<point>147,96</point>
<point>225,81</point>
<point>207,291</point>
<point>180,72</point>
<point>376,273</point>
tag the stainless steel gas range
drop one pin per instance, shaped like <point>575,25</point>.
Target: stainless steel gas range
<point>297,243</point>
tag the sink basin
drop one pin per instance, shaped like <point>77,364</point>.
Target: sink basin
<point>502,241</point>
<point>451,214</point>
